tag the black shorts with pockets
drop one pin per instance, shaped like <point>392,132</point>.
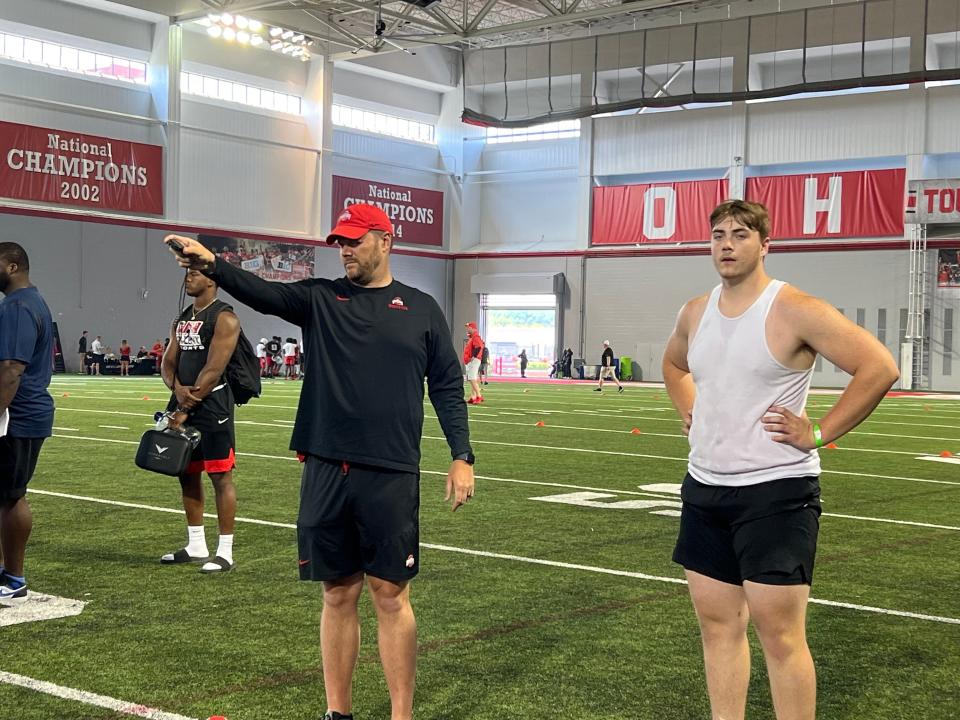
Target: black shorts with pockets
<point>18,461</point>
<point>358,518</point>
<point>765,533</point>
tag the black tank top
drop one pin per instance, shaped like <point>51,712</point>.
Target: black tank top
<point>194,336</point>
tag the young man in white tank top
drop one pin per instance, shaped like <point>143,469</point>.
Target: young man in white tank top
<point>737,368</point>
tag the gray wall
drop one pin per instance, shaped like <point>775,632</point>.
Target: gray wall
<point>633,301</point>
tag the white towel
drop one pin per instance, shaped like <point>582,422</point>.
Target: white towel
<point>4,421</point>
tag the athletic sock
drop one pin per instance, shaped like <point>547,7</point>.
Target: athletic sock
<point>225,547</point>
<point>197,541</point>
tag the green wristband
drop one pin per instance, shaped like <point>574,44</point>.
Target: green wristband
<point>817,435</point>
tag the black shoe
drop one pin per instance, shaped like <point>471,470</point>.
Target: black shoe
<point>334,715</point>
<point>620,390</point>
<point>598,389</point>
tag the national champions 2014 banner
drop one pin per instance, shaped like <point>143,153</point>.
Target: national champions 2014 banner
<point>416,214</point>
<point>71,168</point>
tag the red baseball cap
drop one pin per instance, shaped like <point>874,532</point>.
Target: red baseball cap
<point>471,325</point>
<point>357,220</point>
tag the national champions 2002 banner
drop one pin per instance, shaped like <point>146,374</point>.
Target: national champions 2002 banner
<point>416,214</point>
<point>71,168</point>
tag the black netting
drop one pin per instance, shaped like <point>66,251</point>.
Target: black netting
<point>874,42</point>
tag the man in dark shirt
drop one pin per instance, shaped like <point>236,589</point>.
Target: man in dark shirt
<point>82,352</point>
<point>607,370</point>
<point>359,495</point>
<point>26,408</point>
<point>202,341</point>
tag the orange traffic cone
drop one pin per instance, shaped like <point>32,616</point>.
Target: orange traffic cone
<point>946,453</point>
<point>541,423</point>
<point>635,431</point>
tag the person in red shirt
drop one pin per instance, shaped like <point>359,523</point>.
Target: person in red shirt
<point>156,352</point>
<point>124,358</point>
<point>472,352</point>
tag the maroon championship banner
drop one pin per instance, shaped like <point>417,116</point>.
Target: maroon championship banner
<point>70,168</point>
<point>656,213</point>
<point>416,214</point>
<point>867,203</point>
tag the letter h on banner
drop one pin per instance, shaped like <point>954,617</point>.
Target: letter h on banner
<point>813,205</point>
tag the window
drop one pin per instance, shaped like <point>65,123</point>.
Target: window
<point>549,131</point>
<point>71,59</point>
<point>882,326</point>
<point>234,92</point>
<point>948,341</point>
<point>383,124</point>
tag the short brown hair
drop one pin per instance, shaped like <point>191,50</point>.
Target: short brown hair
<point>749,214</point>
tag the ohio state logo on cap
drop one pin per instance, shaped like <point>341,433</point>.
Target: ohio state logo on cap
<point>344,216</point>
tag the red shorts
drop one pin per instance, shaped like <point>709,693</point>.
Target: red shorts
<point>263,363</point>
<point>291,360</point>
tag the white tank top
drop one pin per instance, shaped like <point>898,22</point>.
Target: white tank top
<point>737,380</point>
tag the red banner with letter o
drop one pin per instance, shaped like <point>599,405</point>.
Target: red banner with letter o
<point>416,214</point>
<point>655,213</point>
<point>70,168</point>
<point>865,203</point>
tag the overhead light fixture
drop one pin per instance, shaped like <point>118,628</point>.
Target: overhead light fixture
<point>286,49</point>
<point>296,38</point>
<point>226,19</point>
<point>214,31</point>
<point>243,37</point>
<point>276,45</point>
<point>229,34</point>
<point>276,32</point>
<point>241,22</point>
<point>287,34</point>
<point>255,26</point>
<point>256,40</point>
<point>213,17</point>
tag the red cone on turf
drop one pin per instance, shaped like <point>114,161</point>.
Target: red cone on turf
<point>635,431</point>
<point>541,423</point>
<point>146,397</point>
<point>66,394</point>
<point>946,453</point>
<point>831,446</point>
<point>216,717</point>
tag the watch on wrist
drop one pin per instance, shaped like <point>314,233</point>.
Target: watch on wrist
<point>467,457</point>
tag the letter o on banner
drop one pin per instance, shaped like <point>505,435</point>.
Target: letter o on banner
<point>660,213</point>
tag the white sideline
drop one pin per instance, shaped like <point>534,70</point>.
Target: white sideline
<point>520,558</point>
<point>88,698</point>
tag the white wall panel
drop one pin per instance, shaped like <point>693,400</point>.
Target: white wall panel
<point>533,212</point>
<point>943,111</point>
<point>834,128</point>
<point>657,142</point>
<point>225,182</point>
<point>81,22</point>
<point>531,155</point>
<point>234,119</point>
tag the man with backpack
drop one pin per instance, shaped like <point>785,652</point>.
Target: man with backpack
<point>202,342</point>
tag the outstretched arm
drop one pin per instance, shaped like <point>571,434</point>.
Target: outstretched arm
<point>290,301</point>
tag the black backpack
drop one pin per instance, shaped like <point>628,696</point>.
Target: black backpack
<point>243,372</point>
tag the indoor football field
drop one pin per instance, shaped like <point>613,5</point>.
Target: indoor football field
<point>551,595</point>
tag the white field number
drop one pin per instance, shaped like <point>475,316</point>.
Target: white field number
<point>656,506</point>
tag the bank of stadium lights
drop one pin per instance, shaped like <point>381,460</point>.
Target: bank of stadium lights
<point>247,31</point>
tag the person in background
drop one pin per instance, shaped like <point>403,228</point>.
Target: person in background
<point>156,352</point>
<point>261,351</point>
<point>607,371</point>
<point>484,365</point>
<point>124,358</point>
<point>472,352</point>
<point>523,362</point>
<point>82,352</point>
<point>290,359</point>
<point>96,350</point>
<point>26,409</point>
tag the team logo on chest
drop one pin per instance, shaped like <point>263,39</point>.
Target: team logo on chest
<point>188,334</point>
<point>397,304</point>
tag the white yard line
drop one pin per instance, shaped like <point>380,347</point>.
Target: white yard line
<point>87,698</point>
<point>524,559</point>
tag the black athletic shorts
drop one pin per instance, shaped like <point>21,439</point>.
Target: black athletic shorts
<point>214,454</point>
<point>18,460</point>
<point>358,518</point>
<point>765,533</point>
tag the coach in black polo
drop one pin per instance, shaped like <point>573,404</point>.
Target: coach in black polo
<point>371,342</point>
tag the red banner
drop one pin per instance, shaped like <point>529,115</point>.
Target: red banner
<point>74,169</point>
<point>867,203</point>
<point>657,213</point>
<point>416,214</point>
